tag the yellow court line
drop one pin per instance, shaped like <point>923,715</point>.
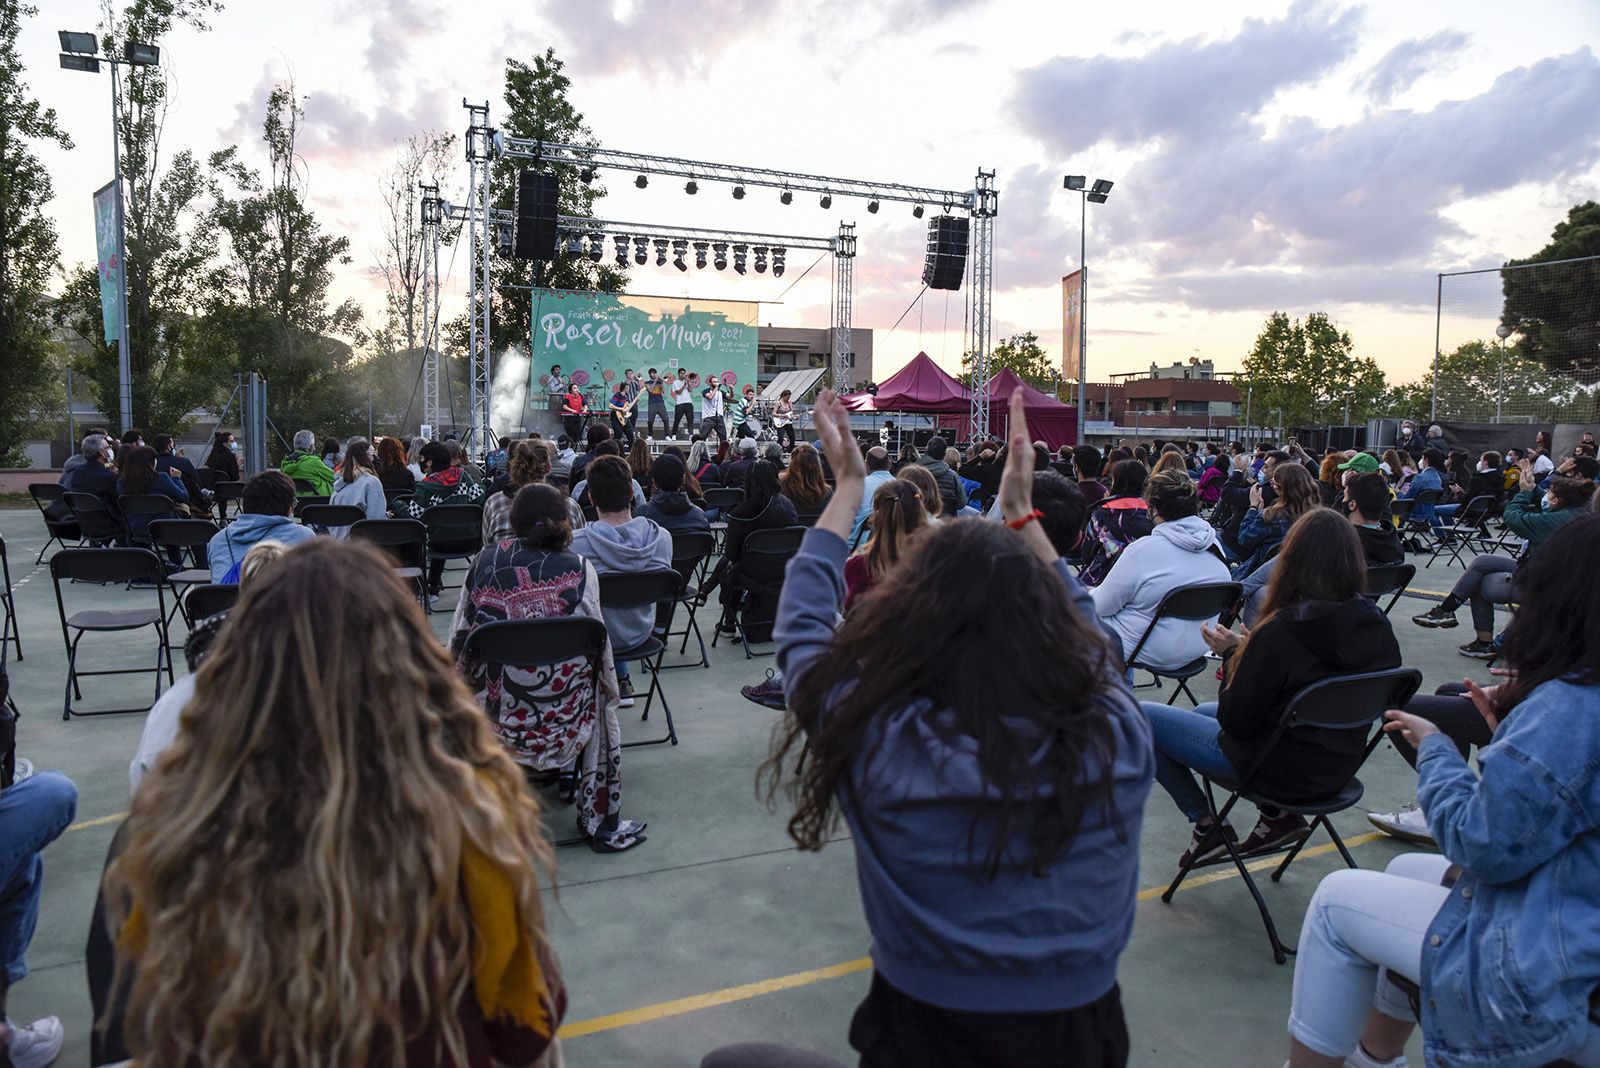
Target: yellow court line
<point>101,822</point>
<point>731,994</point>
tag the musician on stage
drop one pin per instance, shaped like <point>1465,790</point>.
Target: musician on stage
<point>783,420</point>
<point>712,407</point>
<point>555,384</point>
<point>621,412</point>
<point>682,402</point>
<point>655,387</point>
<point>571,410</point>
<point>742,412</point>
<point>634,389</point>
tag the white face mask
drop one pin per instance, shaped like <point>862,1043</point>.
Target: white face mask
<point>1550,503</point>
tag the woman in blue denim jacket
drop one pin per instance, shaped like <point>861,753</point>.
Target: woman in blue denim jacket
<point>1508,956</point>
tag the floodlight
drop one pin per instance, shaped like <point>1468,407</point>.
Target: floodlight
<point>872,207</point>
<point>83,44</point>
<point>916,212</point>
<point>826,200</point>
<point>1097,198</point>
<point>1074,181</point>
<point>738,192</point>
<point>786,197</point>
<point>691,187</point>
<point>641,181</point>
<point>83,63</point>
<point>1101,186</point>
<point>141,55</point>
<point>721,250</point>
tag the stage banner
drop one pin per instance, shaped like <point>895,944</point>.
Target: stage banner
<point>1072,326</point>
<point>107,207</point>
<point>596,337</point>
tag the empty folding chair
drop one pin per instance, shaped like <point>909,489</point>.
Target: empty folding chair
<point>1339,702</point>
<point>10,632</point>
<point>190,536</point>
<point>116,565</point>
<point>324,518</point>
<point>304,487</point>
<point>212,598</point>
<point>1467,529</point>
<point>58,519</point>
<point>455,532</point>
<point>406,540</point>
<point>690,549</point>
<point>1193,604</point>
<point>226,493</point>
<point>1386,579</point>
<point>653,588</point>
<point>99,525</point>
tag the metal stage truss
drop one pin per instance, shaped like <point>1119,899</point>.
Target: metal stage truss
<point>484,144</point>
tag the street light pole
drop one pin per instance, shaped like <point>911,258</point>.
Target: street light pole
<point>1098,192</point>
<point>1502,332</point>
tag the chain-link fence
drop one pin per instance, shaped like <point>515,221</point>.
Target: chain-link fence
<point>1520,343</point>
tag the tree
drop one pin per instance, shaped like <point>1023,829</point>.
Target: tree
<point>269,307</point>
<point>1022,354</point>
<point>28,252</point>
<point>169,243</point>
<point>1473,378</point>
<point>1555,311</point>
<point>1310,372</point>
<point>426,157</point>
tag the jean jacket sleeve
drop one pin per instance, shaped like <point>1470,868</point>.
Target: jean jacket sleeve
<point>808,608</point>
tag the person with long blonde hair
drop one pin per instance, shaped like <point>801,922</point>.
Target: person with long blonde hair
<point>898,516</point>
<point>335,863</point>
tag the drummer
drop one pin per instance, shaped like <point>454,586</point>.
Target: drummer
<point>743,413</point>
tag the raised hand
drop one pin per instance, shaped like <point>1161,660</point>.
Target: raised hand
<point>832,420</point>
<point>1016,481</point>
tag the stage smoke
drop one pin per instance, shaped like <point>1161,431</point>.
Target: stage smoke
<point>508,395</point>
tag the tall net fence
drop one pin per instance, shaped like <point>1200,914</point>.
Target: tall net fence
<point>1520,344</point>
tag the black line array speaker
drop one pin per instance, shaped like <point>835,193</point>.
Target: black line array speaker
<point>535,236</point>
<point>946,261</point>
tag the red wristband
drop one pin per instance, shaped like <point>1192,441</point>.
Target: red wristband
<point>1018,524</point>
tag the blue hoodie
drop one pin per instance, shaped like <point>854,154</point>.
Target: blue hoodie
<point>230,544</point>
<point>1022,943</point>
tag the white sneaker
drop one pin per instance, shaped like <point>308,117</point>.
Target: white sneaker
<point>1362,1059</point>
<point>37,1044</point>
<point>1408,825</point>
<point>24,769</point>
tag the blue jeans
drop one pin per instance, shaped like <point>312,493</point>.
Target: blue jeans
<point>33,813</point>
<point>1187,739</point>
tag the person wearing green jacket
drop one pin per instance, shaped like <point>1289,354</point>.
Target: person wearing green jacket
<point>1490,580</point>
<point>304,463</point>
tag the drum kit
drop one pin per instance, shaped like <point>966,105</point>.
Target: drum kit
<point>759,419</point>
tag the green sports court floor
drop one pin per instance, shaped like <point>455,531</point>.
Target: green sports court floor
<point>717,930</point>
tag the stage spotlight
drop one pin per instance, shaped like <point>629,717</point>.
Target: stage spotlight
<point>761,259</point>
<point>826,200</point>
<point>622,250</point>
<point>777,262</point>
<point>679,249</point>
<point>786,197</point>
<point>574,246</point>
<point>641,181</point>
<point>916,212</point>
<point>661,253</point>
<point>1101,186</point>
<point>700,248</point>
<point>586,175</point>
<point>872,207</point>
<point>721,250</point>
<point>597,246</point>
<point>738,259</point>
<point>691,187</point>
<point>1074,181</point>
<point>640,255</point>
<point>738,192</point>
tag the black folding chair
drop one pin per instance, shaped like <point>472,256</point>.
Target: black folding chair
<point>722,499</point>
<point>398,499</point>
<point>325,517</point>
<point>1386,579</point>
<point>1339,702</point>
<point>1193,604</point>
<point>1413,524</point>
<point>210,599</point>
<point>304,487</point>
<point>310,500</point>
<point>765,552</point>
<point>690,550</point>
<point>406,540</point>
<point>61,527</point>
<point>97,523</point>
<point>139,510</point>
<point>1467,529</point>
<point>530,644</point>
<point>226,493</point>
<point>11,630</point>
<point>619,592</point>
<point>455,532</point>
<point>119,565</point>
<point>193,536</point>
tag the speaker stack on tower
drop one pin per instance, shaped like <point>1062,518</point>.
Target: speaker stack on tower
<point>535,234</point>
<point>946,261</point>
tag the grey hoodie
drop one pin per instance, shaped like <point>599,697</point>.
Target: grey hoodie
<point>638,545</point>
<point>1175,554</point>
<point>229,546</point>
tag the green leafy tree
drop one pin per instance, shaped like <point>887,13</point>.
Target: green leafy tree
<point>28,252</point>
<point>269,308</point>
<point>1310,371</point>
<point>1555,311</point>
<point>1473,377</point>
<point>1023,356</point>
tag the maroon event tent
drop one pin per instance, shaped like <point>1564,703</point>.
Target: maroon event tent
<point>1049,420</point>
<point>920,386</point>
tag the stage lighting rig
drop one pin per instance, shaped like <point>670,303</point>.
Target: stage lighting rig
<point>700,248</point>
<point>872,206</point>
<point>916,212</point>
<point>786,197</point>
<point>738,192</point>
<point>661,253</point>
<point>761,259</point>
<point>586,175</point>
<point>597,246</point>
<point>622,250</point>
<point>721,250</point>
<point>826,201</point>
<point>738,259</point>
<point>640,254</point>
<point>691,187</point>
<point>641,181</point>
<point>679,249</point>
<point>777,262</point>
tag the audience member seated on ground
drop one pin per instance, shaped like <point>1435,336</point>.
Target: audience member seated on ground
<point>964,821</point>
<point>223,459</point>
<point>161,725</point>
<point>527,464</point>
<point>619,543</point>
<point>305,464</point>
<point>932,502</point>
<point>897,517</point>
<point>1180,551</point>
<point>358,484</point>
<point>252,848</point>
<point>1504,955</point>
<point>1490,580</point>
<point>764,508</point>
<point>446,482</point>
<point>1214,477</point>
<point>1263,529</point>
<point>1117,521</point>
<point>553,717</point>
<point>952,495</point>
<point>1430,477</point>
<point>877,460</point>
<point>33,813</point>
<point>803,483</point>
<point>580,490</point>
<point>1315,623</point>
<point>1366,501</point>
<point>266,514</point>
<point>392,472</point>
<point>669,507</point>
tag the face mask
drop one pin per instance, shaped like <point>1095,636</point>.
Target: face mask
<point>1550,504</point>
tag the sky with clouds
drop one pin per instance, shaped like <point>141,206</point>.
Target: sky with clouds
<point>1302,156</point>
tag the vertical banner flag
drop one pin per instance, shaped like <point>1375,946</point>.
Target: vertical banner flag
<point>1072,327</point>
<point>106,211</point>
